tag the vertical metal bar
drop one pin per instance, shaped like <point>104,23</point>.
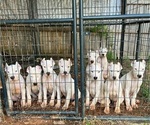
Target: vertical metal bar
<point>81,34</point>
<point>75,53</point>
<point>2,76</point>
<point>138,42</point>
<point>33,14</point>
<point>123,11</point>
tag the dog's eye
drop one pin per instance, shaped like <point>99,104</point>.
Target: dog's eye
<point>61,66</point>
<point>68,66</point>
<point>111,71</point>
<point>98,71</point>
<point>118,71</point>
<point>135,68</point>
<point>92,71</point>
<point>51,66</point>
<point>15,70</point>
<point>44,66</point>
<point>7,71</point>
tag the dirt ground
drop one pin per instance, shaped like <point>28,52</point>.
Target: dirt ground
<point>39,121</point>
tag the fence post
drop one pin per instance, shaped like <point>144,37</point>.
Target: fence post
<point>123,11</point>
<point>33,14</point>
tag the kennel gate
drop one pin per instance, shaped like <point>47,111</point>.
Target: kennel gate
<point>35,21</point>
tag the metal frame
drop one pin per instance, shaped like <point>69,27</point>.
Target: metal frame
<point>72,20</point>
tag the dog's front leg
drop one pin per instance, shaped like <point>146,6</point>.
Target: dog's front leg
<point>119,100</point>
<point>107,100</point>
<point>51,103</point>
<point>133,99</point>
<point>28,94</point>
<point>40,94</point>
<point>94,101</point>
<point>68,97</point>
<point>127,100</point>
<point>58,98</point>
<point>44,103</point>
<point>23,95</point>
<point>87,97</point>
<point>10,102</point>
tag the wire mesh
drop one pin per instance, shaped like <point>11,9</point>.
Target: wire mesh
<point>28,43</point>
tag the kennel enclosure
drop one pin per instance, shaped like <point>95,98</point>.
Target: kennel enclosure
<point>34,29</point>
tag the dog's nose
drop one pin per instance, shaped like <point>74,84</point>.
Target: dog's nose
<point>139,76</point>
<point>102,54</point>
<point>114,77</point>
<point>65,72</point>
<point>95,78</point>
<point>48,73</point>
<point>35,84</point>
<point>12,77</point>
<point>92,61</point>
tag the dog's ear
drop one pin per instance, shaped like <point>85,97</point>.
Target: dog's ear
<point>70,62</point>
<point>144,62</point>
<point>60,61</point>
<point>53,62</point>
<point>38,68</point>
<point>42,61</point>
<point>18,65</point>
<point>132,63</point>
<point>28,69</point>
<point>120,65</point>
<point>6,66</point>
<point>109,65</point>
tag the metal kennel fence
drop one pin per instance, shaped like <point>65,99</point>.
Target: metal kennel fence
<point>34,29</point>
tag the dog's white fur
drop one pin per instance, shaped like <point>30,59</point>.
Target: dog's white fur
<point>33,83</point>
<point>113,88</point>
<point>94,84</point>
<point>15,84</point>
<point>103,60</point>
<point>131,83</point>
<point>65,83</point>
<point>92,56</point>
<point>49,81</point>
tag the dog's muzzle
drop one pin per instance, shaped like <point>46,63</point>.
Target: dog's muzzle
<point>65,73</point>
<point>114,77</point>
<point>139,76</point>
<point>95,78</point>
<point>92,61</point>
<point>12,77</point>
<point>35,84</point>
<point>48,73</point>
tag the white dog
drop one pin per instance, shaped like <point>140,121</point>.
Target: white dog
<point>15,84</point>
<point>65,83</point>
<point>113,88</point>
<point>49,81</point>
<point>131,83</point>
<point>33,83</point>
<point>103,60</point>
<point>92,56</point>
<point>94,85</point>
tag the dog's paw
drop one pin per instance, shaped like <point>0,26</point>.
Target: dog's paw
<point>128,108</point>
<point>92,107</point>
<point>57,106</point>
<point>28,103</point>
<point>134,106</point>
<point>106,110</point>
<point>39,100</point>
<point>117,110</point>
<point>51,103</point>
<point>65,107</point>
<point>73,103</point>
<point>137,101</point>
<point>43,105</point>
<point>23,104</point>
<point>87,104</point>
